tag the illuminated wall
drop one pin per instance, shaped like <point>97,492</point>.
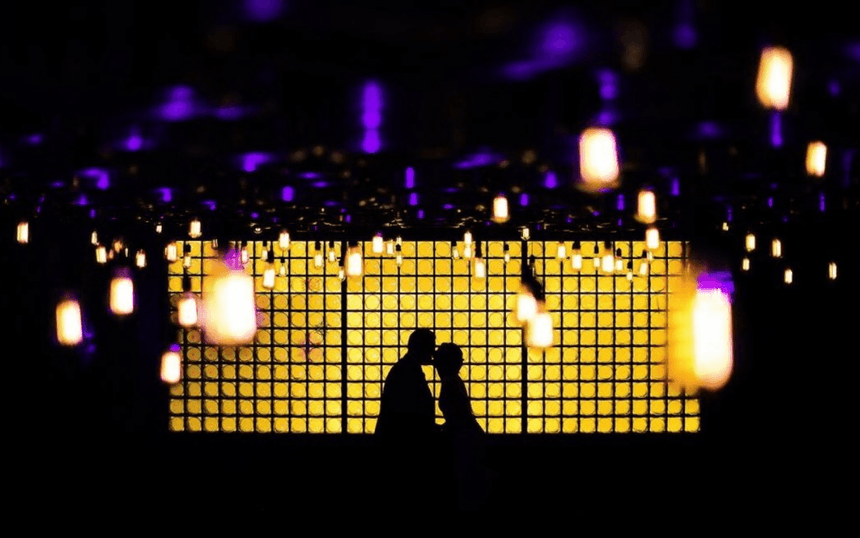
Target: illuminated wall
<point>323,345</point>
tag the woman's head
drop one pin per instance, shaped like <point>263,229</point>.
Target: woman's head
<point>448,359</point>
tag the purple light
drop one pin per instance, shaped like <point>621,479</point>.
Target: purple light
<point>372,119</point>
<point>179,105</point>
<point>210,204</point>
<point>99,175</point>
<point>250,161</point>
<point>371,142</point>
<point>348,218</point>
<point>606,118</point>
<point>92,213</point>
<point>619,204</point>
<point>717,280</point>
<point>134,141</point>
<point>477,160</point>
<point>410,178</point>
<point>776,130</point>
<point>834,88</point>
<point>263,10</point>
<point>448,206</point>
<point>558,39</point>
<point>821,202</point>
<point>82,200</point>
<point>770,201</point>
<point>229,113</point>
<point>550,181</point>
<point>288,194</point>
<point>371,97</point>
<point>310,175</point>
<point>166,194</point>
<point>330,203</point>
<point>685,35</point>
<point>676,186</point>
<point>233,259</point>
<point>35,139</point>
<point>319,184</point>
<point>524,199</point>
<point>57,184</point>
<point>846,166</point>
<point>708,130</point>
<point>413,198</point>
<point>255,215</point>
<point>607,84</point>
<point>420,214</point>
<point>729,214</point>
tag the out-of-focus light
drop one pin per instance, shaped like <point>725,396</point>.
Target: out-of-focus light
<point>816,158</point>
<point>171,365</point>
<point>776,248</point>
<point>500,209</point>
<point>576,257</point>
<point>539,331</point>
<point>69,326</point>
<point>94,238</point>
<point>619,261</point>
<point>284,240</point>
<point>186,258</point>
<point>467,245</point>
<point>773,84</point>
<point>607,260</point>
<point>409,179</point>
<point>101,254</point>
<point>700,346</point>
<point>140,259</point>
<point>171,252</point>
<point>158,228</point>
<point>23,233</point>
<point>332,255</point>
<point>596,257</point>
<point>644,265</point>
<point>561,250</point>
<point>630,271</point>
<point>598,160</point>
<point>318,255</point>
<point>263,10</point>
<point>526,306</point>
<point>745,264</point>
<point>398,257</point>
<point>229,313</point>
<point>354,265</point>
<point>749,242</point>
<point>377,244</point>
<point>455,254</point>
<point>194,229</point>
<point>524,233</point>
<point>507,256</point>
<point>652,238</point>
<point>646,207</point>
<point>244,255</point>
<point>122,293</point>
<point>269,274</point>
<point>776,129</point>
<point>831,271</point>
<point>788,276</point>
<point>480,267</point>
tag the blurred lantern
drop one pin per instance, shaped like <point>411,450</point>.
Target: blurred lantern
<point>500,209</point>
<point>479,266</point>
<point>284,240</point>
<point>539,331</point>
<point>332,255</point>
<point>619,261</point>
<point>354,264</point>
<point>171,252</point>
<point>376,245</point>
<point>140,259</point>
<point>507,250</point>
<point>749,242</point>
<point>647,207</point>
<point>700,346</point>
<point>773,84</point>
<point>576,257</point>
<point>745,264</point>
<point>94,238</point>
<point>644,264</point>
<point>652,238</point>
<point>607,263</point>
<point>23,234</point>
<point>122,292</point>
<point>816,159</point>
<point>101,254</point>
<point>598,160</point>
<point>831,271</point>
<point>69,325</point>
<point>171,365</point>
<point>467,245</point>
<point>194,229</point>
<point>776,248</point>
<point>561,250</point>
<point>187,307</point>
<point>788,276</point>
<point>186,256</point>
<point>229,313</point>
<point>269,271</point>
<point>318,255</point>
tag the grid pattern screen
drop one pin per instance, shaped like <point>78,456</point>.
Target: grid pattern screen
<point>324,344</point>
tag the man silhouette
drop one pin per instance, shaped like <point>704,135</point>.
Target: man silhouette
<point>406,428</point>
<point>407,409</point>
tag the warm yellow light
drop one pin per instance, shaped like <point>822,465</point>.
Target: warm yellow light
<point>284,240</point>
<point>749,242</point>
<point>652,238</point>
<point>340,274</point>
<point>644,266</point>
<point>725,226</point>
<point>467,245</point>
<point>269,277</point>
<point>186,310</point>
<point>788,276</point>
<point>776,248</point>
<point>524,233</point>
<point>332,255</point>
<point>389,247</point>
<point>647,207</point>
<point>244,255</point>
<point>526,306</point>
<point>480,269</point>
<point>171,366</point>
<point>745,264</point>
<point>354,266</point>
<point>561,250</point>
<point>598,160</point>
<point>500,209</point>
<point>69,327</point>
<point>831,271</point>
<point>596,258</point>
<point>94,238</point>
<point>158,228</point>
<point>101,254</point>
<point>607,262</point>
<point>195,229</point>
<point>700,346</point>
<point>318,255</point>
<point>539,331</point>
<point>576,260</point>
<point>117,245</point>
<point>23,234</point>
<point>773,84</point>
<point>122,293</point>
<point>171,252</point>
<point>816,158</point>
<point>229,314</point>
<point>140,259</point>
<point>399,256</point>
<point>376,245</point>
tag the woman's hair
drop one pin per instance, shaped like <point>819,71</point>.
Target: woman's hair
<point>448,358</point>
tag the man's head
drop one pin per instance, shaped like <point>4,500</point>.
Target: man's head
<point>422,344</point>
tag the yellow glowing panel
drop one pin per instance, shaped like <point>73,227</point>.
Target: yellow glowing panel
<point>605,372</point>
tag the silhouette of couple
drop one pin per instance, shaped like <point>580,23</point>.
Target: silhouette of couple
<point>412,442</point>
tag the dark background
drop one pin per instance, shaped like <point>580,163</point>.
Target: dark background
<point>776,440</point>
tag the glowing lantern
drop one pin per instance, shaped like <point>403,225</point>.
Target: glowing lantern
<point>354,266</point>
<point>69,327</point>
<point>194,229</point>
<point>607,263</point>
<point>467,245</point>
<point>831,271</point>
<point>749,242</point>
<point>561,250</point>
<point>171,365</point>
<point>284,240</point>
<point>816,159</point>
<point>788,276</point>
<point>700,350</point>
<point>647,207</point>
<point>598,160</point>
<point>229,312</point>
<point>23,234</point>
<point>776,248</point>
<point>171,252</point>
<point>318,255</point>
<point>576,257</point>
<point>500,209</point>
<point>122,292</point>
<point>101,254</point>
<point>539,330</point>
<point>140,259</point>
<point>745,264</point>
<point>773,84</point>
<point>376,245</point>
